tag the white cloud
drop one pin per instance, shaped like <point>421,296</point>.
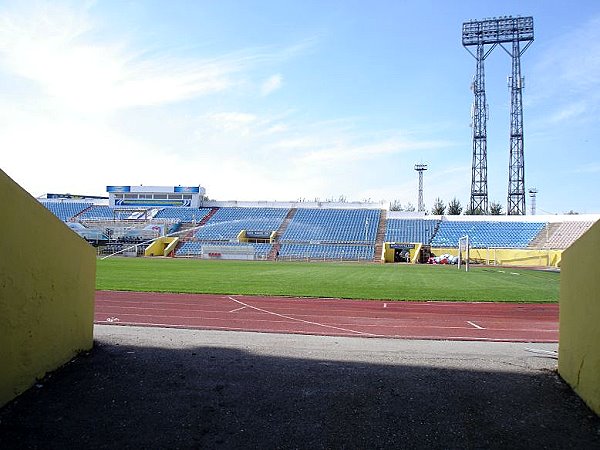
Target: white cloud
<point>271,84</point>
<point>53,47</point>
<point>567,76</point>
<point>78,125</point>
<point>568,111</point>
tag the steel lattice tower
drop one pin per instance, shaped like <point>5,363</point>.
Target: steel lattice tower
<point>421,168</point>
<point>498,31</point>
<point>479,116</point>
<point>515,204</point>
<point>532,193</point>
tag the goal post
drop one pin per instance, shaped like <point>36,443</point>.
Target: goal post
<point>463,252</point>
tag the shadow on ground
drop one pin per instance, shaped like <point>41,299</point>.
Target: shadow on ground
<point>129,396</point>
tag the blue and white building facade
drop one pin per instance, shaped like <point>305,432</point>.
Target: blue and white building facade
<point>155,196</point>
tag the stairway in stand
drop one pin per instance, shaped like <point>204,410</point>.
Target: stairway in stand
<point>193,227</point>
<point>380,236</point>
<point>189,229</point>
<point>286,222</point>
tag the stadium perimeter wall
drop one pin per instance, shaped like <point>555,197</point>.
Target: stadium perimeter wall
<point>579,335</point>
<point>508,257</point>
<point>47,287</point>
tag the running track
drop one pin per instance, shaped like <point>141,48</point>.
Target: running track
<point>333,317</point>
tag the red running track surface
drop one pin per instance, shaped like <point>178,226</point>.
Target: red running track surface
<point>515,322</point>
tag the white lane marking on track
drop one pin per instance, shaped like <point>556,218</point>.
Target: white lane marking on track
<point>237,309</point>
<point>473,324</point>
<point>305,321</point>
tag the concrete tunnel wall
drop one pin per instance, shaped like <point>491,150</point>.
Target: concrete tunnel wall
<point>579,342</point>
<point>47,285</point>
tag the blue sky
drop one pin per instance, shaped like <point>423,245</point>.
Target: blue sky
<point>281,100</point>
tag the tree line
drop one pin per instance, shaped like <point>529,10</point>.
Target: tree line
<point>454,208</point>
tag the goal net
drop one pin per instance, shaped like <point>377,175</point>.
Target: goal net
<point>463,252</point>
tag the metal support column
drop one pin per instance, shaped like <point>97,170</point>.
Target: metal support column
<point>516,168</point>
<point>479,115</point>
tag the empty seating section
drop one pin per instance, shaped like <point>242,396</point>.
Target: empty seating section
<point>327,251</point>
<point>193,215</point>
<point>410,230</point>
<point>66,210</point>
<point>226,223</point>
<point>194,248</point>
<point>487,234</point>
<point>336,234</point>
<point>333,226</point>
<point>98,212</point>
<point>566,234</point>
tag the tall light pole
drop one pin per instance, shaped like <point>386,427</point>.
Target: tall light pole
<point>421,168</point>
<point>532,194</point>
<point>518,32</point>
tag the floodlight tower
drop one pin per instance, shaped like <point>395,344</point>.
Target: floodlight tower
<point>493,32</point>
<point>518,30</point>
<point>421,168</point>
<point>472,35</point>
<point>532,194</point>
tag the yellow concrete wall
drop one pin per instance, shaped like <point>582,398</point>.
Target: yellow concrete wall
<point>161,246</point>
<point>509,257</point>
<point>387,253</point>
<point>47,286</point>
<point>579,347</point>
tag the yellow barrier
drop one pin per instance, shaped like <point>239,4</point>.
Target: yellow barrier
<point>161,246</point>
<point>579,347</point>
<point>508,257</point>
<point>48,278</point>
<point>389,249</point>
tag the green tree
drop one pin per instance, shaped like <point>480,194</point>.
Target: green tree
<point>495,209</point>
<point>474,212</point>
<point>454,207</point>
<point>396,206</point>
<point>439,207</point>
<point>409,207</point>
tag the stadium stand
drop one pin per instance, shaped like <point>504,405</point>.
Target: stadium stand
<point>312,232</point>
<point>484,234</point>
<point>183,214</point>
<point>66,210</point>
<point>327,251</point>
<point>98,212</point>
<point>410,230</point>
<point>194,248</point>
<point>227,222</point>
<point>333,226</point>
<point>563,235</point>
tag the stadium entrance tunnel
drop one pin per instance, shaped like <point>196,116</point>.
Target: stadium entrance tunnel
<point>162,246</point>
<point>257,236</point>
<point>407,252</point>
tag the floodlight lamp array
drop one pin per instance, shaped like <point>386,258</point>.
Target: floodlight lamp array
<point>497,30</point>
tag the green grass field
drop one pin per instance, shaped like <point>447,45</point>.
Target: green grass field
<point>339,280</point>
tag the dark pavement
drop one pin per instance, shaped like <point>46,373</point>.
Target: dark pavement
<point>169,388</point>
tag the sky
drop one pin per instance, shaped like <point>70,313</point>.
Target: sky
<point>288,100</point>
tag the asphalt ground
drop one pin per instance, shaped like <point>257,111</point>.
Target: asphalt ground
<point>143,387</point>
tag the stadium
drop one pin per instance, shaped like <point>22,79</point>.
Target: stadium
<point>160,221</point>
<point>155,317</point>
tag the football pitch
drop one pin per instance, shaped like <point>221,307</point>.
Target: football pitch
<point>336,280</point>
